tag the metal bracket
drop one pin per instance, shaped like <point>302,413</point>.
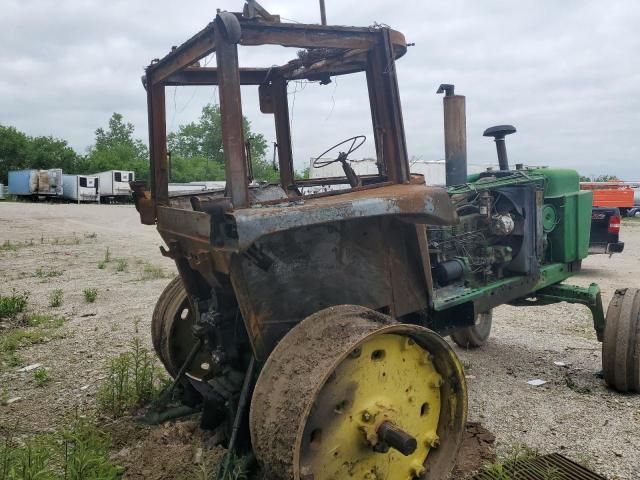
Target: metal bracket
<point>589,296</point>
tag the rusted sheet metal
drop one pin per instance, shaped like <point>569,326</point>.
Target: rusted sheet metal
<point>209,76</point>
<point>289,275</point>
<point>184,223</point>
<point>315,36</point>
<point>416,203</point>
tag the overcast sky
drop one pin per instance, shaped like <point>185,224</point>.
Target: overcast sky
<point>565,73</point>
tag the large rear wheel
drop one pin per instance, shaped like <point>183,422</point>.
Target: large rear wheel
<point>621,344</point>
<point>349,393</point>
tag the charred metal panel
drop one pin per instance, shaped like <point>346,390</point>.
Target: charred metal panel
<point>289,275</point>
<point>417,203</point>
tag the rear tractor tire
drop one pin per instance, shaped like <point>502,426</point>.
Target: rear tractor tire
<point>476,335</point>
<point>621,344</point>
<point>349,393</point>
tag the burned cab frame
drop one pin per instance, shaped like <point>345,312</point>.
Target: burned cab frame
<point>222,236</point>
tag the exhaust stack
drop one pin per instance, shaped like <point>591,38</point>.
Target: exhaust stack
<point>455,135</point>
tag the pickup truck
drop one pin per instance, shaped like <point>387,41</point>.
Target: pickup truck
<point>605,230</point>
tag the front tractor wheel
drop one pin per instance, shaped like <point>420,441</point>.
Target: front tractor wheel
<point>476,335</point>
<point>621,344</point>
<point>172,331</point>
<point>349,393</point>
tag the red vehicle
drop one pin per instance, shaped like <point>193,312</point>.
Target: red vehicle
<point>610,201</point>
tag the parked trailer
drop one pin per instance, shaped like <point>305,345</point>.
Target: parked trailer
<point>35,183</point>
<point>81,188</point>
<point>114,183</point>
<point>184,188</point>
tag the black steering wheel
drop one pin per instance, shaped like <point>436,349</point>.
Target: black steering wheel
<point>354,144</point>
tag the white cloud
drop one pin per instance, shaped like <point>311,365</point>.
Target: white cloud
<point>564,73</point>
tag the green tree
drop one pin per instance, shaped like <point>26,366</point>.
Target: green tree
<point>116,148</point>
<point>20,151</point>
<point>197,152</point>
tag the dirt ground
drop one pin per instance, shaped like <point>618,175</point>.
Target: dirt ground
<point>573,413</point>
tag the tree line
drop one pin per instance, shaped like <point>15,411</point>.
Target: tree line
<point>196,151</point>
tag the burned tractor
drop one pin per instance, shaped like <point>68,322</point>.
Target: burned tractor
<point>311,324</point>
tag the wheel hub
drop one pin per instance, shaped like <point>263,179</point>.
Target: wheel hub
<point>388,381</point>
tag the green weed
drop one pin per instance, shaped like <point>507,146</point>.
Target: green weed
<point>133,380</point>
<point>582,389</point>
<point>7,246</point>
<point>107,255</point>
<point>30,330</point>
<point>55,298</point>
<point>77,451</point>
<point>91,236</point>
<point>42,273</point>
<point>102,264</point>
<point>121,265</point>
<point>41,376</point>
<point>90,294</point>
<point>152,272</point>
<point>43,320</point>
<point>11,305</point>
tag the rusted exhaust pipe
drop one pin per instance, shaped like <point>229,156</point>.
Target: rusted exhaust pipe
<point>323,13</point>
<point>455,135</point>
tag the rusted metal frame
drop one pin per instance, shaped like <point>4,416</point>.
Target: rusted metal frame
<point>423,244</point>
<point>395,147</point>
<point>366,180</point>
<point>209,76</point>
<point>306,36</point>
<point>375,118</point>
<point>197,47</point>
<point>283,132</point>
<point>152,168</point>
<point>231,121</point>
<point>158,144</point>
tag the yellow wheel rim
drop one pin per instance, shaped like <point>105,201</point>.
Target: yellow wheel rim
<point>387,378</point>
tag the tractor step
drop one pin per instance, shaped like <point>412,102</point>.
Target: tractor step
<point>542,468</point>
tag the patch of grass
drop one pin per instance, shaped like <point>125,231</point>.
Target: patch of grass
<point>77,451</point>
<point>107,255</point>
<point>7,246</point>
<point>152,272</point>
<point>11,305</point>
<point>29,330</point>
<point>43,320</point>
<point>467,365</point>
<point>514,453</point>
<point>42,273</point>
<point>14,339</point>
<point>133,380</point>
<point>90,294</point>
<point>92,235</point>
<point>582,389</point>
<point>102,264</point>
<point>41,376</point>
<point>55,298</point>
<point>121,265</point>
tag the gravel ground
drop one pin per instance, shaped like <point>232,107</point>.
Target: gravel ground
<point>573,413</point>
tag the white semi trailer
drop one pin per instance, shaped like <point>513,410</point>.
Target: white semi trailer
<point>80,188</point>
<point>114,184</point>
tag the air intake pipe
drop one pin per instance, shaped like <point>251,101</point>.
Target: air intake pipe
<point>455,135</point>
